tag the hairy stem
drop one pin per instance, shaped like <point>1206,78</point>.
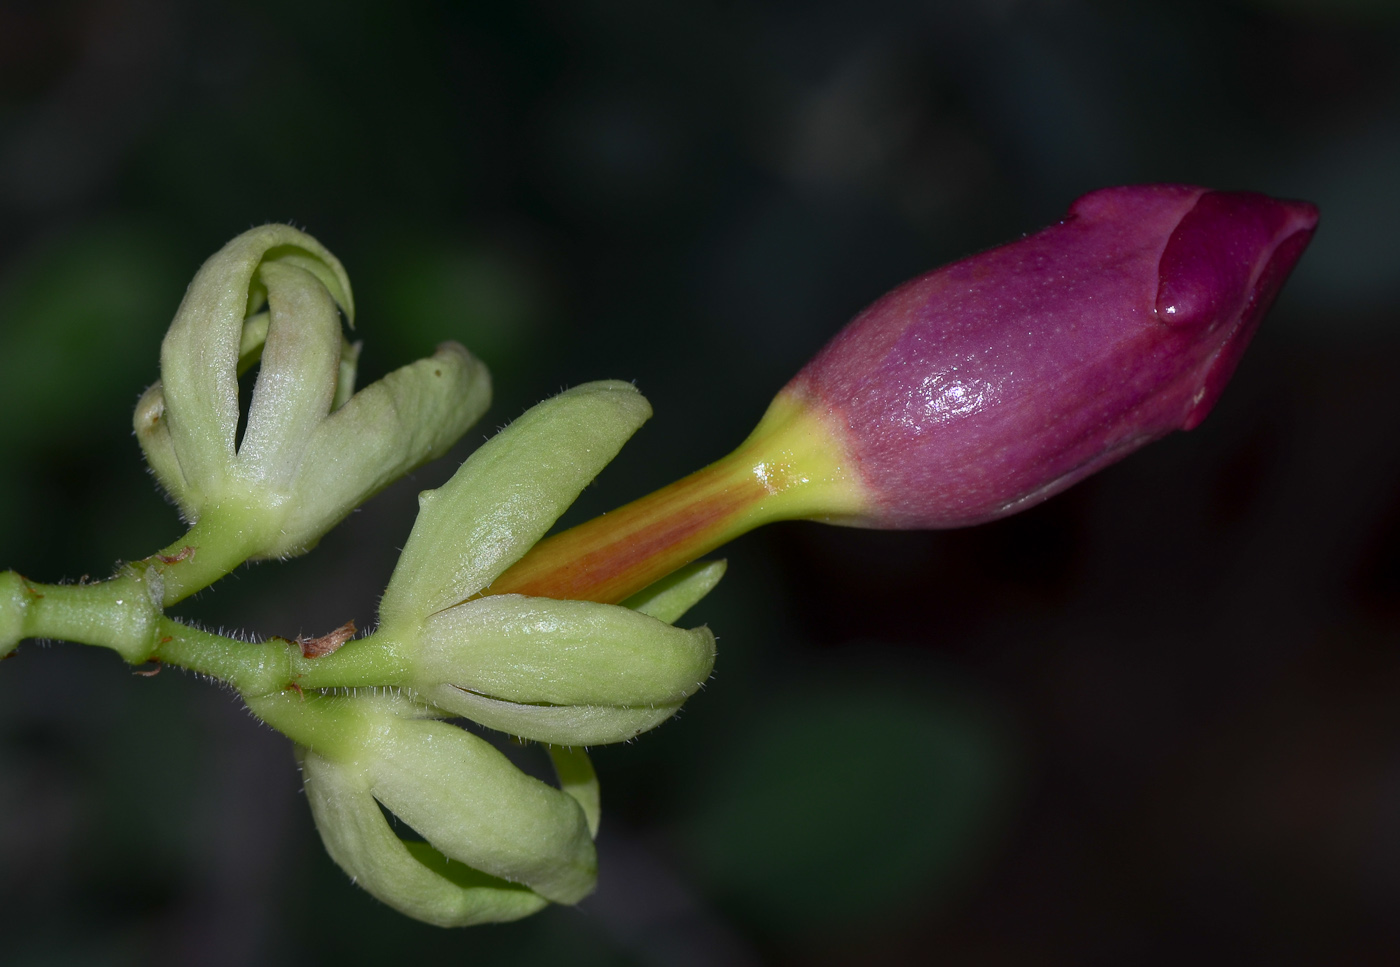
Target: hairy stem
<point>121,614</point>
<point>220,540</point>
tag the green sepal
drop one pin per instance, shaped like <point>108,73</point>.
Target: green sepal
<point>200,353</point>
<point>313,449</point>
<point>250,344</point>
<point>409,417</point>
<point>577,778</point>
<point>411,877</point>
<point>250,349</point>
<point>349,364</point>
<point>507,495</point>
<point>296,382</point>
<point>543,651</point>
<point>454,788</point>
<point>328,272</point>
<point>581,725</point>
<point>671,597</point>
<point>153,433</point>
<point>474,806</point>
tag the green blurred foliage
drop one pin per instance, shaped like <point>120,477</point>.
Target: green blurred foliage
<point>422,288</point>
<point>82,314</point>
<point>847,803</point>
<point>81,319</point>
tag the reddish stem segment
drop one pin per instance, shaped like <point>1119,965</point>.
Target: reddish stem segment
<point>612,557</point>
<point>792,466</point>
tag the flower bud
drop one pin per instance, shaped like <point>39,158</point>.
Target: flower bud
<point>990,384</point>
<point>411,877</point>
<point>311,451</point>
<point>976,390</point>
<point>499,843</point>
<point>563,672</point>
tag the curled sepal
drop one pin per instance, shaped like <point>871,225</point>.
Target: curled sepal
<point>571,673</point>
<point>411,877</point>
<point>327,271</point>
<point>671,597</point>
<point>453,788</point>
<point>506,495</point>
<point>312,449</point>
<point>475,807</point>
<point>409,417</point>
<point>540,651</point>
<point>255,336</point>
<point>200,353</point>
<point>349,365</point>
<point>153,433</point>
<point>296,381</point>
<point>582,725</point>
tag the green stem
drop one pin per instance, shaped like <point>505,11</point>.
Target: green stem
<point>222,539</point>
<point>367,662</point>
<point>253,668</point>
<point>126,612</point>
<point>120,614</point>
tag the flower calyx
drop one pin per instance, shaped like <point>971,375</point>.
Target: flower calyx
<point>564,672</point>
<point>312,449</point>
<point>498,844</point>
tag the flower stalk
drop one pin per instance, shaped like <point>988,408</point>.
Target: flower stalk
<point>792,466</point>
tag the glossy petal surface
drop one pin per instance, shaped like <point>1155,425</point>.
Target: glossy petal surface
<point>992,383</point>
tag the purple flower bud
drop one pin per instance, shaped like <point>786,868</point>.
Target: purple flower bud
<point>976,390</point>
<point>990,384</point>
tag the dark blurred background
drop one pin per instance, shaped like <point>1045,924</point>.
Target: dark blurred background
<point>1153,721</point>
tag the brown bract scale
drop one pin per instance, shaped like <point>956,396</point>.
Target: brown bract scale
<point>328,643</point>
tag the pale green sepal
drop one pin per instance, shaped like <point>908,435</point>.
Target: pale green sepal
<point>412,878</point>
<point>153,433</point>
<point>345,381</point>
<point>543,651</point>
<point>297,379</point>
<point>583,725</point>
<point>250,345</point>
<point>577,778</point>
<point>474,806</point>
<point>678,592</point>
<point>330,273</point>
<point>510,901</point>
<point>507,494</point>
<point>409,417</point>
<point>199,356</point>
<point>13,601</point>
